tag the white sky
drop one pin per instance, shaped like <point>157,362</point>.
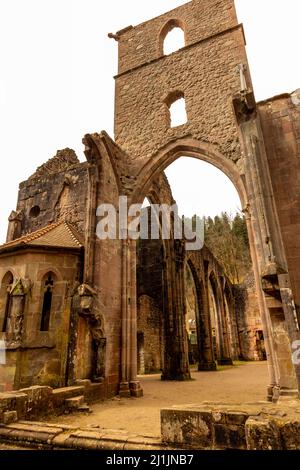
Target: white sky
<point>56,82</point>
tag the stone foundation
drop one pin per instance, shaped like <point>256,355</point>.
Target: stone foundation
<point>259,426</point>
<point>39,402</point>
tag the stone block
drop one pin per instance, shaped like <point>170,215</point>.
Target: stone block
<point>62,394</point>
<point>10,417</point>
<point>74,403</point>
<point>262,434</point>
<point>39,401</point>
<point>187,427</point>
<point>236,437</point>
<point>229,437</point>
<point>290,435</point>
<point>219,417</point>
<point>236,418</point>
<point>13,401</point>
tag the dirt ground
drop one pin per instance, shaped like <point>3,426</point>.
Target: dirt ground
<point>238,384</point>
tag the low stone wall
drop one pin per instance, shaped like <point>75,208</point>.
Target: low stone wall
<point>44,436</point>
<point>260,426</point>
<point>40,401</point>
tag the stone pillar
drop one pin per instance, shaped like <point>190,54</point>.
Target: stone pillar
<point>206,354</point>
<point>263,227</point>
<point>226,358</point>
<point>292,326</point>
<point>124,385</point>
<point>134,384</point>
<point>129,386</point>
<point>176,363</point>
<point>271,358</point>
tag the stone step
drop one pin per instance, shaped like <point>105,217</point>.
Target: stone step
<point>288,395</point>
<point>289,392</point>
<point>77,404</point>
<point>36,435</point>
<point>84,409</point>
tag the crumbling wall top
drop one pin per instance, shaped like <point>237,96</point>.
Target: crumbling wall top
<point>200,19</point>
<point>63,160</point>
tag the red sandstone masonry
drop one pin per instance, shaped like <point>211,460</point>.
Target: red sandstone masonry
<point>200,18</point>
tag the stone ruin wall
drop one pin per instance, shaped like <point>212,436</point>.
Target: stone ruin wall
<point>249,324</point>
<point>58,189</point>
<point>204,71</point>
<point>280,118</point>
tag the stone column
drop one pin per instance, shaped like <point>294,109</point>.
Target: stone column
<point>271,358</point>
<point>176,365</point>
<point>134,384</point>
<point>124,385</point>
<point>292,327</point>
<point>226,357</point>
<point>207,360</point>
<point>263,227</point>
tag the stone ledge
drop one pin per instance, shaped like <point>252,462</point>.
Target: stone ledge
<point>48,436</point>
<point>253,426</point>
<point>40,401</point>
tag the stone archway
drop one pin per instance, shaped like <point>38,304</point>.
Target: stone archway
<point>204,331</point>
<point>119,177</point>
<point>209,153</point>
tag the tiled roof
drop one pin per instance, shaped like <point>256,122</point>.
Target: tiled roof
<point>60,234</point>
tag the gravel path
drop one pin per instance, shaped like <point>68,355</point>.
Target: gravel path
<point>238,384</point>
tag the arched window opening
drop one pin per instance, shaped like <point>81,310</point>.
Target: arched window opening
<point>47,302</point>
<point>7,283</point>
<point>174,41</point>
<point>177,114</point>
<point>172,37</point>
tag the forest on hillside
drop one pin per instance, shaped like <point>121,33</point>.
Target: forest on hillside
<point>226,236</point>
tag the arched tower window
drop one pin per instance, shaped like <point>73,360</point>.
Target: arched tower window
<point>6,285</point>
<point>177,109</point>
<point>48,285</point>
<point>172,37</point>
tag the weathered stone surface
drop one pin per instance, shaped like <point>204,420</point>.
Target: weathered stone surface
<point>290,435</point>
<point>13,402</point>
<point>229,437</point>
<point>48,436</point>
<point>236,418</point>
<point>74,403</point>
<point>187,428</point>
<point>60,395</point>
<point>10,417</point>
<point>262,434</point>
<point>39,401</point>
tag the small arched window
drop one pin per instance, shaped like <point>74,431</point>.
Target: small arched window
<point>6,286</point>
<point>177,109</point>
<point>48,285</point>
<point>172,37</point>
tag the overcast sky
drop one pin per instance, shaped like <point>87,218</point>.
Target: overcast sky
<point>56,83</point>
